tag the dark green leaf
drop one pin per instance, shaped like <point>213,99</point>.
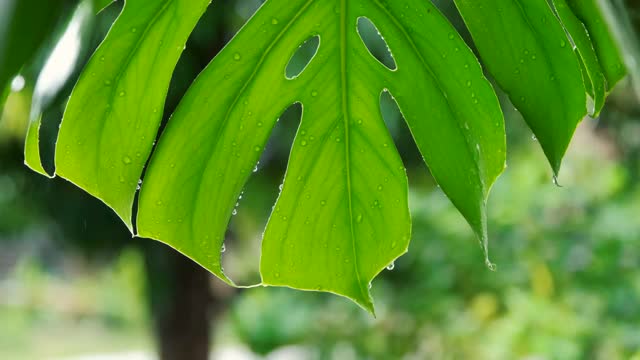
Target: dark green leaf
<point>527,51</point>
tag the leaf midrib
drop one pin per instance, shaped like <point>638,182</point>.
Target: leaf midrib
<point>345,116</point>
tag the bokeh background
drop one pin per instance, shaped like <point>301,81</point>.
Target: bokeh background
<point>75,285</point>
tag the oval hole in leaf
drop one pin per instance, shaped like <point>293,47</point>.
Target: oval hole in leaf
<point>302,57</point>
<point>375,43</point>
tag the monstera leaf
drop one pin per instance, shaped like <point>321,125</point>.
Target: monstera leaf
<point>342,215</point>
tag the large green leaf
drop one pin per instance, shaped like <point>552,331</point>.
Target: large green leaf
<point>527,51</point>
<point>114,112</point>
<point>342,215</point>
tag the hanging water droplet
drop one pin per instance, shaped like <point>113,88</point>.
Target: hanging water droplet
<point>234,212</point>
<point>391,266</point>
<point>491,266</point>
<point>533,137</point>
<point>555,181</point>
<point>223,249</point>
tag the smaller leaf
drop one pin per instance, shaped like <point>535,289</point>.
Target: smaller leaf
<point>55,74</point>
<point>24,26</point>
<point>595,80</point>
<point>525,48</point>
<point>115,109</point>
<point>588,12</point>
<point>32,146</point>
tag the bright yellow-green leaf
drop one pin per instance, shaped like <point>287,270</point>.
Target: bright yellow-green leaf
<point>342,215</point>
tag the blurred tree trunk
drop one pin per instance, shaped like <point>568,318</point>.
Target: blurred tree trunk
<point>181,301</point>
<point>181,304</point>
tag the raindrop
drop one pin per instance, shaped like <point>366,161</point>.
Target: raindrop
<point>17,84</point>
<point>563,43</point>
<point>121,93</point>
<point>359,218</point>
<point>314,93</point>
<point>274,21</point>
<point>491,266</point>
<point>236,57</point>
<point>126,160</point>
